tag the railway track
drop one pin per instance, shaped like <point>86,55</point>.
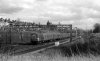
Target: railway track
<point>22,49</point>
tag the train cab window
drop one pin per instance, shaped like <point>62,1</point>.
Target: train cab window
<point>33,36</point>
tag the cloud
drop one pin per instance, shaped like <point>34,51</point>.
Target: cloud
<point>41,0</point>
<point>86,23</point>
<point>10,10</point>
<point>77,12</point>
<point>6,7</point>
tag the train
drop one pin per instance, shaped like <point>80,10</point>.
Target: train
<point>31,37</point>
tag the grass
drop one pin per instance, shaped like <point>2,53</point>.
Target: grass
<point>49,55</point>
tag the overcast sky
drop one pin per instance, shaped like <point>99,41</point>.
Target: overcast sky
<point>80,13</point>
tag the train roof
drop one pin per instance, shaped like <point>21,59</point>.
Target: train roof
<point>40,31</point>
<point>48,31</point>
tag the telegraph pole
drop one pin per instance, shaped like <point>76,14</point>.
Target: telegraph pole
<point>76,31</point>
<point>10,32</point>
<point>70,33</point>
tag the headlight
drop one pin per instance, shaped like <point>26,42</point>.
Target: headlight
<point>38,39</point>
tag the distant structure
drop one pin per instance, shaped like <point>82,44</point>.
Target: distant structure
<point>17,25</point>
<point>48,23</point>
<point>50,26</point>
<point>59,27</point>
<point>59,23</point>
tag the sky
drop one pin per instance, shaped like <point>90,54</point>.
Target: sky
<point>81,13</point>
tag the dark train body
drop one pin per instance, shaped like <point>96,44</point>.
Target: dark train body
<point>15,37</point>
<point>27,37</point>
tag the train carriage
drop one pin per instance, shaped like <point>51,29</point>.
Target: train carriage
<point>50,36</point>
<point>30,37</point>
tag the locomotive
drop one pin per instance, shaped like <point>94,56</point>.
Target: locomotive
<point>46,36</point>
<point>31,37</point>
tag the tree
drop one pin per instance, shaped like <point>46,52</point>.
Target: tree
<point>96,28</point>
